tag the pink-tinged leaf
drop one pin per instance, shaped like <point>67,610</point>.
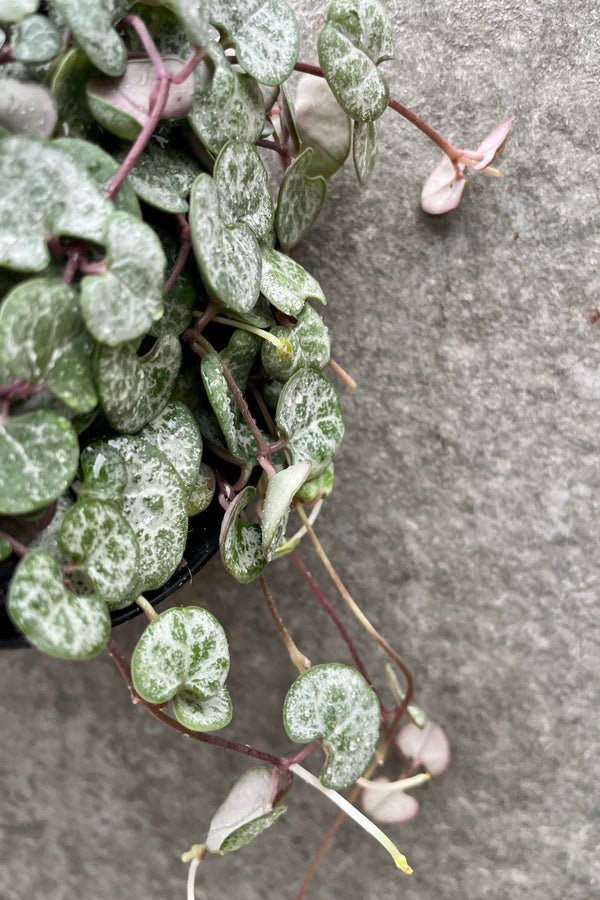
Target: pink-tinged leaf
<point>391,806</point>
<point>443,188</point>
<point>428,746</point>
<point>493,145</point>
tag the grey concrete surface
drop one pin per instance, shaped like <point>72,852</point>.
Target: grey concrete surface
<point>465,518</point>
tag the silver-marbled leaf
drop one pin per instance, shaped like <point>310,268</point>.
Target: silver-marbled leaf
<point>154,504</point>
<point>281,490</point>
<point>44,192</point>
<point>104,474</point>
<point>53,619</point>
<point>163,176</point>
<point>334,703</point>
<point>101,167</point>
<point>134,390</point>
<point>200,714</point>
<point>35,40</point>
<point>122,303</point>
<point>43,339</point>
<point>359,87</point>
<point>286,284</point>
<point>27,108</point>
<point>367,24</point>
<point>278,362</point>
<point>202,492</point>
<point>300,200</point>
<point>38,460</point>
<point>310,415</point>
<point>313,335</point>
<point>228,256</point>
<point>321,486</point>
<point>184,648</point>
<point>240,542</point>
<point>16,10</point>
<point>98,539</point>
<point>175,433</point>
<point>91,22</point>
<point>236,432</point>
<point>243,189</point>
<point>364,148</point>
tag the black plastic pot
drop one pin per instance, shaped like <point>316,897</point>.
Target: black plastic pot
<point>202,544</point>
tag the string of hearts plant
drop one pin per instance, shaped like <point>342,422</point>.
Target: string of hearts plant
<point>157,347</point>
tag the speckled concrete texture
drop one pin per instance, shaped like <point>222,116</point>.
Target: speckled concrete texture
<point>464,517</point>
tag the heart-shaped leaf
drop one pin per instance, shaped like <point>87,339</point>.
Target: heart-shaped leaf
<point>323,125</point>
<point>360,89</point>
<point>334,703</point>
<point>27,108</point>
<point>101,167</point>
<point>228,256</point>
<point>175,433</point>
<point>96,537</point>
<point>310,416</point>
<point>202,492</point>
<point>428,745</point>
<point>35,40</point>
<point>203,715</point>
<point>367,24</point>
<point>313,335</point>
<point>286,284</point>
<point>104,474</point>
<point>281,490</point>
<point>243,189</point>
<point>183,648</point>
<point>38,460</point>
<point>134,390</point>
<point>43,339</point>
<point>300,201</point>
<point>227,105</point>
<point>163,176</point>
<point>122,106</point>
<point>52,618</point>
<point>44,192</point>
<point>364,148</point>
<point>121,304</point>
<point>245,813</point>
<point>91,22</point>
<point>241,542</point>
<point>237,434</point>
<point>443,187</point>
<point>154,504</point>
<point>264,33</point>
<point>16,10</point>
<point>392,806</point>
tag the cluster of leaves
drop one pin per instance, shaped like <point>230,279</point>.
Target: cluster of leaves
<point>128,139</point>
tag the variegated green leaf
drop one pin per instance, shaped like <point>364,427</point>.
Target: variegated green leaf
<point>101,167</point>
<point>44,192</point>
<point>43,339</point>
<point>334,703</point>
<point>359,87</point>
<point>300,201</point>
<point>322,486</point>
<point>38,460</point>
<point>245,813</point>
<point>313,335</point>
<point>27,108</point>
<point>5,549</point>
<point>167,26</point>
<point>163,176</point>
<point>47,538</point>
<point>179,302</point>
<point>104,474</point>
<point>239,356</point>
<point>286,284</point>
<point>281,490</point>
<point>243,188</point>
<point>35,40</point>
<point>202,492</point>
<point>122,106</point>
<point>175,433</point>
<point>154,504</point>
<point>323,125</point>
<point>241,542</point>
<point>228,256</point>
<point>200,714</point>
<point>52,618</point>
<point>183,648</point>
<point>193,15</point>
<point>134,390</point>
<point>364,148</point>
<point>96,537</point>
<point>278,364</point>
<point>227,105</point>
<point>91,22</point>
<point>310,416</point>
<point>237,434</point>
<point>264,33</point>
<point>68,83</point>
<point>367,24</point>
<point>121,304</point>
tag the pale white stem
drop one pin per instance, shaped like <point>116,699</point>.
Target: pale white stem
<point>404,784</point>
<point>146,607</point>
<point>355,814</point>
<point>191,881</point>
